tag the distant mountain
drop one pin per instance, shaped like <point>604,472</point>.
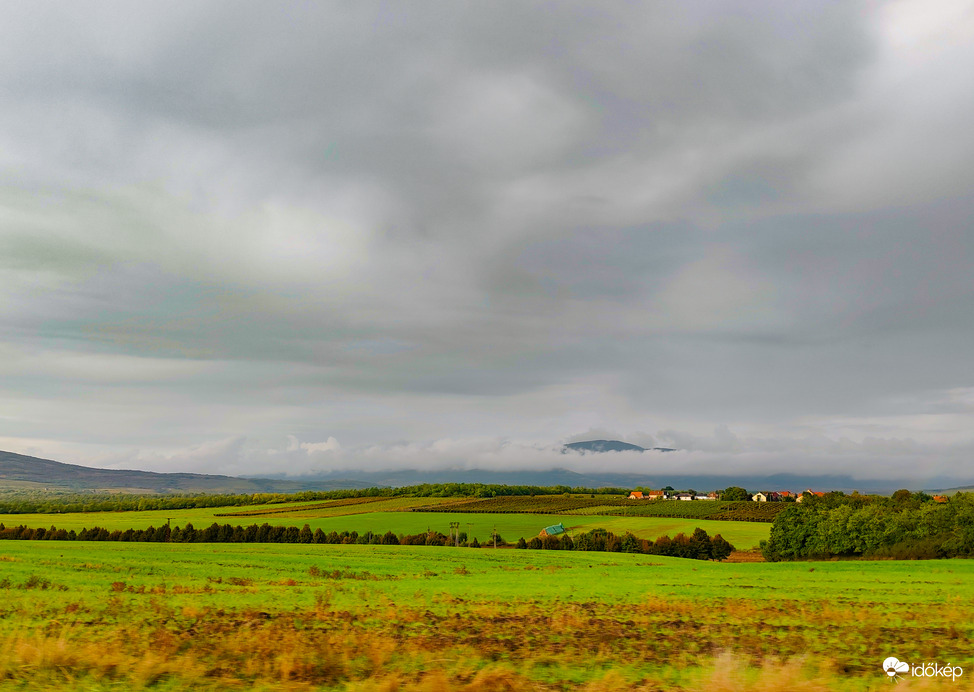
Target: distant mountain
<point>951,491</point>
<point>664,477</point>
<point>610,446</point>
<point>24,472</point>
<point>18,471</point>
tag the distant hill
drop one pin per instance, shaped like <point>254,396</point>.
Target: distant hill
<point>657,478</point>
<point>610,446</point>
<point>21,472</point>
<point>951,491</point>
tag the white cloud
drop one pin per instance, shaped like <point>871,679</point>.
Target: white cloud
<point>507,122</point>
<point>485,223</point>
<point>329,445</point>
<point>101,368</point>
<point>721,454</point>
<point>714,292</point>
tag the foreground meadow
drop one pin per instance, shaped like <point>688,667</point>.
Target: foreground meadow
<point>99,616</point>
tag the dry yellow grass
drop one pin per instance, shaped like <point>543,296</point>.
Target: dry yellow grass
<point>208,618</point>
<point>285,659</point>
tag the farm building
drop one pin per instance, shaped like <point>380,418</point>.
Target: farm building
<point>553,530</point>
<point>648,495</point>
<point>759,497</point>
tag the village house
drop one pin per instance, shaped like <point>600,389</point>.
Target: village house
<point>808,493</point>
<point>759,497</point>
<point>648,495</point>
<point>940,498</point>
<point>684,496</point>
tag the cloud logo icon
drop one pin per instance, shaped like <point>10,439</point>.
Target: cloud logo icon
<point>892,666</point>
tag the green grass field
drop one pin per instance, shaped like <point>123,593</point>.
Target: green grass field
<point>99,616</point>
<point>376,517</point>
<point>172,617</point>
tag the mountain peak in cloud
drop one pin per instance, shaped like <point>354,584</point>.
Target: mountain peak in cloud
<point>610,446</point>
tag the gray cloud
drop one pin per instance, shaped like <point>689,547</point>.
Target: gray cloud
<point>505,222</point>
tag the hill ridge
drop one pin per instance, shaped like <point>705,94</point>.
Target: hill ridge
<point>19,471</point>
<point>600,446</point>
<point>28,472</point>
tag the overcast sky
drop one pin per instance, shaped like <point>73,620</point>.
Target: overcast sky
<point>304,237</point>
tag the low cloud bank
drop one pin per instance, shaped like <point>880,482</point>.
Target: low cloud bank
<point>722,453</point>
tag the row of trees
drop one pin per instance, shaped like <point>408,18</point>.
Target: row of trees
<point>32,502</point>
<point>699,546</point>
<point>225,533</point>
<point>905,526</point>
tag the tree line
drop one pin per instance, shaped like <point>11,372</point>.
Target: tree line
<point>904,526</point>
<point>46,503</point>
<point>699,546</point>
<point>218,533</point>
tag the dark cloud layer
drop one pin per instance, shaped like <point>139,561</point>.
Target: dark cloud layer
<point>451,234</point>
